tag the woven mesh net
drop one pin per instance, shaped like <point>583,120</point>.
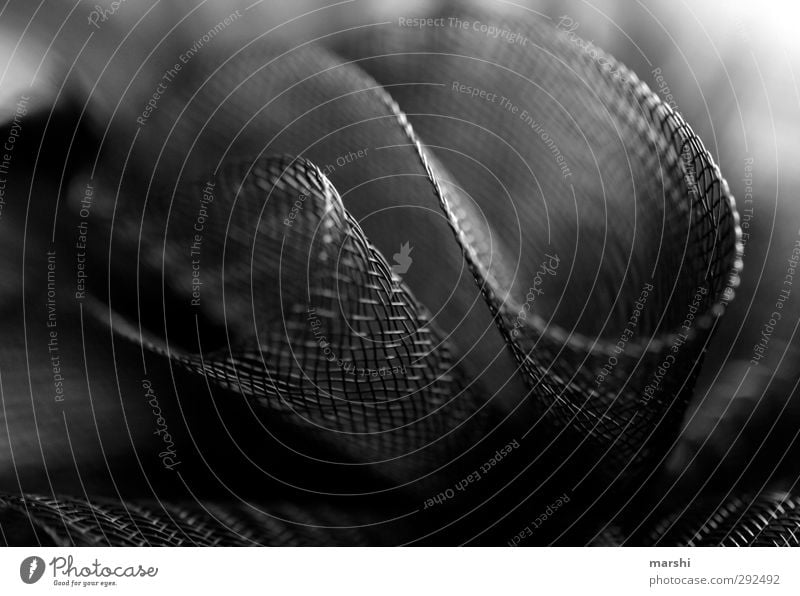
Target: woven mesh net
<point>320,327</point>
<point>556,207</point>
<point>78,522</point>
<point>768,519</point>
<point>622,193</point>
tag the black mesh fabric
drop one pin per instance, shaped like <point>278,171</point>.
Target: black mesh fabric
<point>648,205</point>
<point>767,519</point>
<point>321,329</point>
<point>582,171</point>
<point>78,522</point>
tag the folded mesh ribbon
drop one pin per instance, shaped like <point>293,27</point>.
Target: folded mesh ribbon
<point>561,212</point>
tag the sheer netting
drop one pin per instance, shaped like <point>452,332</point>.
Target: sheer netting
<point>345,239</point>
